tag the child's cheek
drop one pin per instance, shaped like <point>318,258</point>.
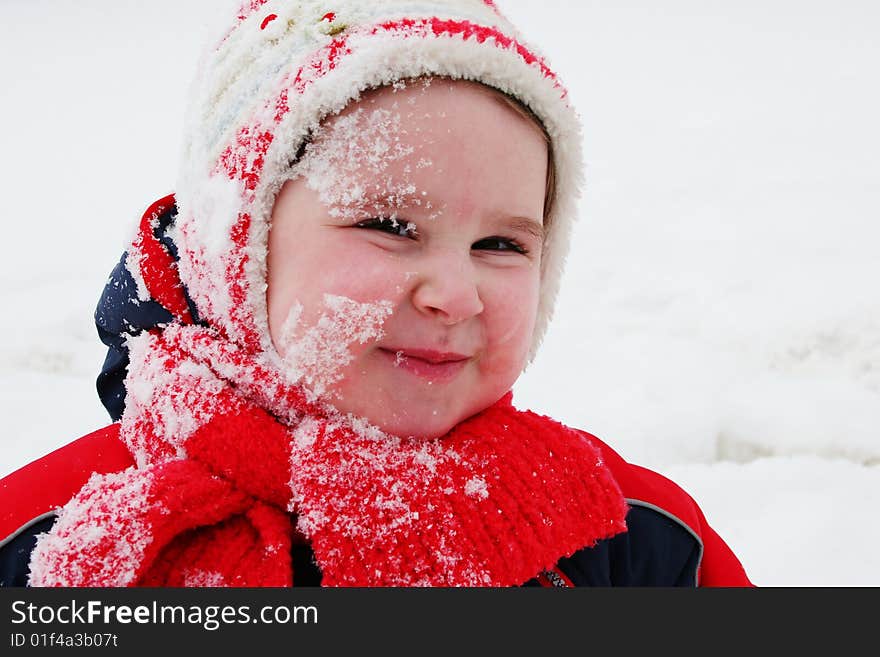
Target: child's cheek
<point>316,356</point>
<point>510,309</point>
<point>339,318</point>
<point>366,275</point>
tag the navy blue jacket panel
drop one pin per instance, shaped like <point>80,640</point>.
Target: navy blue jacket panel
<point>15,551</point>
<point>120,313</point>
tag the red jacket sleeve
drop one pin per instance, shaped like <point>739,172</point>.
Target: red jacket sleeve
<point>719,566</point>
<point>49,482</point>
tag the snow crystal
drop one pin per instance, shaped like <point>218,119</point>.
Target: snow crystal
<point>133,260</point>
<point>203,234</point>
<point>103,523</point>
<point>362,144</point>
<point>217,212</point>
<point>364,429</point>
<point>476,487</point>
<point>203,578</point>
<point>174,401</point>
<point>372,488</point>
<point>317,357</point>
<point>362,466</point>
<point>306,433</point>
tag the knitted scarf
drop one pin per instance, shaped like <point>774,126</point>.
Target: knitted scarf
<point>233,465</point>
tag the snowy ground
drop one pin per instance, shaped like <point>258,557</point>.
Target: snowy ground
<point>720,317</point>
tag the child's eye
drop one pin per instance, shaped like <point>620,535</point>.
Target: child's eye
<point>499,244</point>
<point>390,226</point>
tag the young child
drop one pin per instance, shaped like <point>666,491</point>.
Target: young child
<point>319,332</point>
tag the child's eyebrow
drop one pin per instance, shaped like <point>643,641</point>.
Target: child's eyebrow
<point>528,226</point>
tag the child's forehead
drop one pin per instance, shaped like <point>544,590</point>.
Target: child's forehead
<point>425,149</point>
<point>423,93</point>
<point>402,124</point>
<point>407,120</point>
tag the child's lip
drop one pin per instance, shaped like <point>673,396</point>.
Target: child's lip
<point>435,366</point>
<point>428,355</point>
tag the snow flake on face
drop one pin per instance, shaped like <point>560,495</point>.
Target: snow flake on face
<point>358,161</point>
<point>105,524</point>
<point>316,355</point>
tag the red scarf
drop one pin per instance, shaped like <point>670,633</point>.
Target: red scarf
<point>233,465</point>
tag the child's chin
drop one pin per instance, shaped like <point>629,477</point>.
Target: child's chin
<point>420,425</point>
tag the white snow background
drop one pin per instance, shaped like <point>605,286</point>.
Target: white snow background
<point>720,314</point>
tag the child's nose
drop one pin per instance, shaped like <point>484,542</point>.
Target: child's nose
<point>447,289</point>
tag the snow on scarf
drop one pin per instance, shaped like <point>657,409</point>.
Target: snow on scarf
<point>231,464</point>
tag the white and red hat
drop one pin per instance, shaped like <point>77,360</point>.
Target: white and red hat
<point>283,67</point>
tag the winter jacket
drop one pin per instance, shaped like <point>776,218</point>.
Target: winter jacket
<point>667,543</point>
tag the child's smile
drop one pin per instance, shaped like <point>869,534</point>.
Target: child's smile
<point>435,366</point>
<point>421,208</point>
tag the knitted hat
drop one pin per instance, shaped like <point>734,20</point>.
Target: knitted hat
<point>283,67</point>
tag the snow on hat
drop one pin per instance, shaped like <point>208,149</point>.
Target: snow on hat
<point>286,65</point>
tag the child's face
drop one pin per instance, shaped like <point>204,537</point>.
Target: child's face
<point>422,208</point>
